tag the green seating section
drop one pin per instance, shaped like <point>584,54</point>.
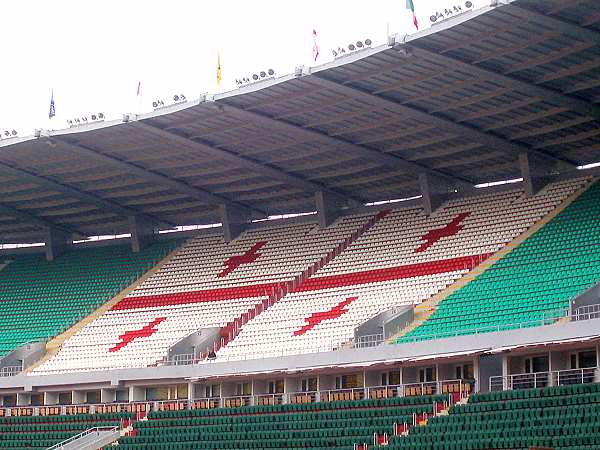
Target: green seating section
<point>318,425</point>
<point>40,299</point>
<point>532,282</point>
<point>45,431</point>
<point>565,417</point>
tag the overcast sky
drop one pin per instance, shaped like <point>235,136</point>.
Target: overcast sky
<point>94,53</point>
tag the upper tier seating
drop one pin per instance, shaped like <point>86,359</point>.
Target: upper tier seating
<point>19,433</point>
<point>561,418</point>
<point>197,289</point>
<point>316,425</point>
<point>40,299</point>
<point>532,282</point>
<point>392,265</point>
<point>403,259</point>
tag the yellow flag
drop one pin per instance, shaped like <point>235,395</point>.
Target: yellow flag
<point>219,75</point>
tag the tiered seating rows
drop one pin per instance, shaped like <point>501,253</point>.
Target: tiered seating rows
<point>564,417</point>
<point>532,282</point>
<point>318,425</point>
<point>41,299</point>
<point>395,270</point>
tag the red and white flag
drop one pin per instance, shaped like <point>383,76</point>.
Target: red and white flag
<point>139,89</point>
<point>315,46</point>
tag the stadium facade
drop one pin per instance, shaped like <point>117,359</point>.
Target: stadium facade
<point>411,302</point>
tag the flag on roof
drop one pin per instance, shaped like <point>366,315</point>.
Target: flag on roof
<point>410,5</point>
<point>219,74</point>
<point>139,89</point>
<point>52,111</point>
<point>315,46</point>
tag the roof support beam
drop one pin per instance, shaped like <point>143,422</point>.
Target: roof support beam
<point>163,180</point>
<point>105,205</point>
<point>454,63</point>
<point>474,134</point>
<point>261,168</point>
<point>56,243</point>
<point>565,27</point>
<point>37,221</point>
<point>358,150</point>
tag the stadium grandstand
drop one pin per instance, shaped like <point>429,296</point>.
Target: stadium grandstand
<point>397,249</point>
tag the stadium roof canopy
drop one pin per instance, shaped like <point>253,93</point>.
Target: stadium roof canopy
<point>460,102</point>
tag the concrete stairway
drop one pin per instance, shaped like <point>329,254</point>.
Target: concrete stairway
<point>233,328</point>
<point>92,439</point>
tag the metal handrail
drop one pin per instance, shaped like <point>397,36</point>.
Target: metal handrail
<point>542,379</point>
<point>550,318</point>
<point>82,434</point>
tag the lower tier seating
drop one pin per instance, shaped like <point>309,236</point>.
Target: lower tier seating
<point>21,433</point>
<point>560,418</point>
<point>40,299</point>
<point>534,281</point>
<point>313,425</point>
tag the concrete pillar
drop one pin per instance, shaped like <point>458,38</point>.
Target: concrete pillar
<point>327,209</point>
<point>477,386</point>
<point>50,398</point>
<point>137,394</point>
<point>23,399</point>
<point>55,243</point>
<point>432,197</point>
<point>78,397</point>
<point>532,182</point>
<point>143,233</point>
<point>108,395</point>
<point>234,222</point>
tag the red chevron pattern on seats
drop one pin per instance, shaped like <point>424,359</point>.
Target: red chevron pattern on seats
<point>236,261</point>
<point>448,230</point>
<point>129,336</point>
<point>312,284</point>
<point>318,317</point>
<point>207,295</point>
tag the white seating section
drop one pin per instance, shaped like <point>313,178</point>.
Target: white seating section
<point>361,271</point>
<point>494,221</point>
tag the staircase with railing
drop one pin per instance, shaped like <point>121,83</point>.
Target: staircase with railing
<point>233,328</point>
<point>90,439</point>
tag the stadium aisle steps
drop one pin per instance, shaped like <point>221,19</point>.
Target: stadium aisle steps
<point>405,259</point>
<point>316,425</point>
<point>561,418</point>
<point>41,299</point>
<point>537,278</point>
<point>19,433</point>
<point>232,329</point>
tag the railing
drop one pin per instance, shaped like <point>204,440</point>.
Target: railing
<point>456,388</point>
<point>549,318</point>
<point>269,399</point>
<point>369,340</point>
<point>543,379</point>
<point>586,312</point>
<point>82,434</point>
<point>10,371</point>
<point>237,401</point>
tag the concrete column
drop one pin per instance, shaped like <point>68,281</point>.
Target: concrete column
<point>532,182</point>
<point>78,397</point>
<point>432,198</point>
<point>143,233</point>
<point>50,398</point>
<point>23,399</point>
<point>137,394</point>
<point>327,209</point>
<point>234,222</point>
<point>56,243</point>
<point>108,395</point>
